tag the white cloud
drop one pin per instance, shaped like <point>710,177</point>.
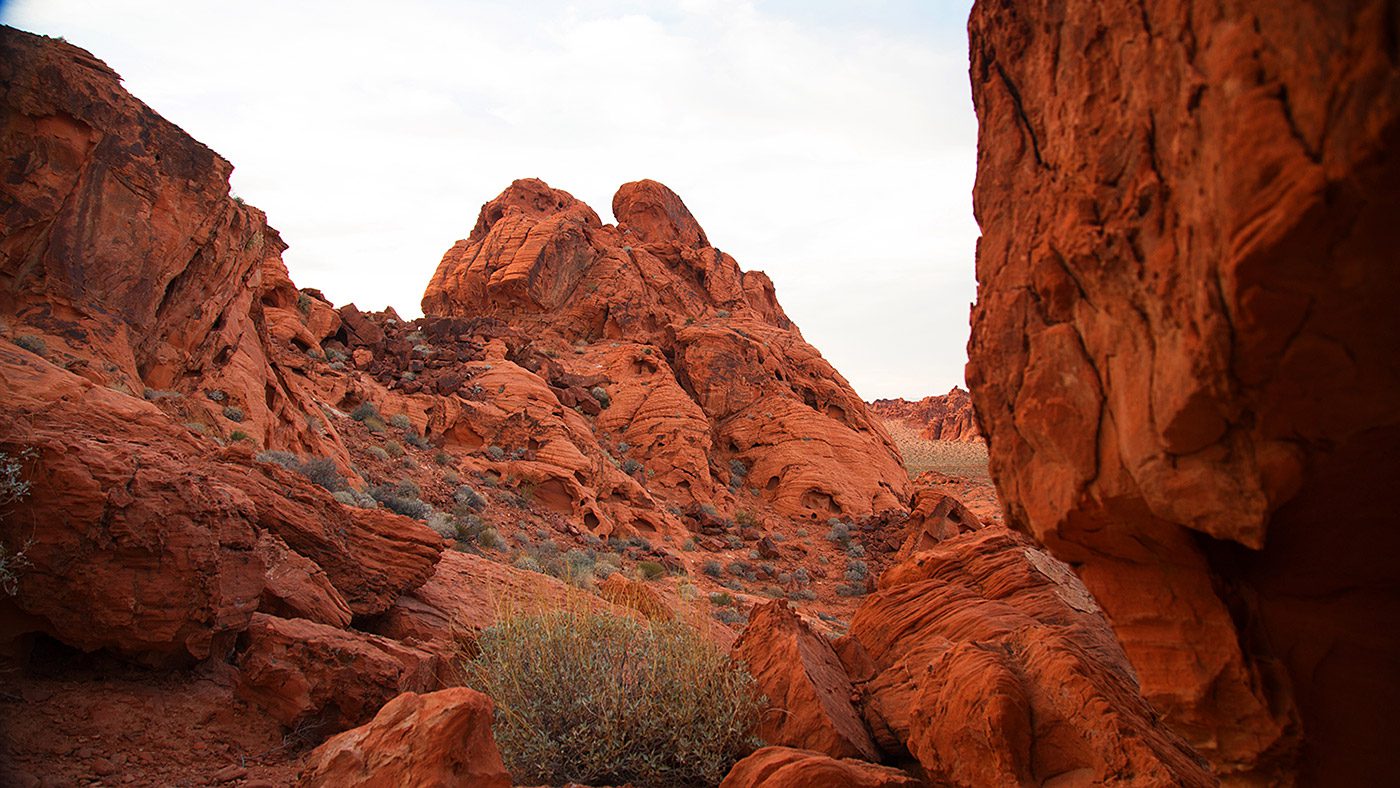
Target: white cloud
<point>836,156</point>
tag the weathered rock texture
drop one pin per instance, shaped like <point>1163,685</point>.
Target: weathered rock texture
<point>786,767</point>
<point>439,739</point>
<point>1184,351</point>
<point>707,380</point>
<point>989,662</point>
<point>949,417</point>
<point>808,691</point>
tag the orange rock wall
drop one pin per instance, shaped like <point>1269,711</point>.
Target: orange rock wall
<point>1184,351</point>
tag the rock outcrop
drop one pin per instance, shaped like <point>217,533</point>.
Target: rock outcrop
<point>989,662</point>
<point>700,371</point>
<point>949,417</point>
<point>808,691</point>
<point>439,739</point>
<point>786,767</point>
<point>1183,351</point>
<point>142,540</point>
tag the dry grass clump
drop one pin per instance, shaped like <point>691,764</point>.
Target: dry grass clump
<point>591,697</point>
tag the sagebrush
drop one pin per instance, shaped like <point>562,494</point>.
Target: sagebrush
<point>586,696</point>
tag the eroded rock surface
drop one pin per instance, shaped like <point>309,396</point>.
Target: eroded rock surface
<point>1183,351</point>
<point>786,767</point>
<point>705,377</point>
<point>947,417</point>
<point>808,691</point>
<point>438,739</point>
<point>988,661</point>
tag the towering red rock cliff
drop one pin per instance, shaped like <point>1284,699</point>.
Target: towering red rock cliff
<point>1184,351</point>
<point>948,417</point>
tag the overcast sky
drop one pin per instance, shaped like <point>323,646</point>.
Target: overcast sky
<point>829,143</point>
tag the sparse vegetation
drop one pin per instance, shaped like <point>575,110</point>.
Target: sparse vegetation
<point>402,498</point>
<point>651,570</point>
<point>13,487</point>
<point>32,343</point>
<point>584,696</point>
<point>601,394</point>
<point>839,533</point>
<point>234,414</point>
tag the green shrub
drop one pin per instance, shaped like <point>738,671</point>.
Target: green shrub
<point>32,343</point>
<point>13,487</point>
<point>239,435</point>
<point>378,453</point>
<point>713,569</point>
<point>729,615</point>
<point>284,458</point>
<point>393,448</point>
<point>442,458</point>
<point>496,453</point>
<point>401,498</point>
<point>651,570</point>
<point>856,570</point>
<point>399,421</point>
<point>468,497</point>
<point>584,696</point>
<point>601,394</point>
<point>365,411</point>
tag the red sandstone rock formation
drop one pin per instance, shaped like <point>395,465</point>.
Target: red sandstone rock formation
<point>706,378</point>
<point>144,541</point>
<point>786,767</point>
<point>439,739</point>
<point>602,381</point>
<point>808,692</point>
<point>949,417</point>
<point>989,662</point>
<point>1184,351</point>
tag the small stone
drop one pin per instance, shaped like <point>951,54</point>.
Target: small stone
<point>102,767</point>
<point>231,772</point>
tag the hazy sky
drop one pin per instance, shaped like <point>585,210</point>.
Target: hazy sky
<point>831,144</point>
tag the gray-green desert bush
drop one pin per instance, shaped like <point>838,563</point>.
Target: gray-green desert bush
<point>584,696</point>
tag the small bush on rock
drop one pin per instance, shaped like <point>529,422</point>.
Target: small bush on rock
<point>32,343</point>
<point>583,696</point>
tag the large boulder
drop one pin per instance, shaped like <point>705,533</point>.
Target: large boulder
<point>439,739</point>
<point>1183,351</point>
<point>323,679</point>
<point>808,691</point>
<point>145,539</point>
<point>787,767</point>
<point>988,661</point>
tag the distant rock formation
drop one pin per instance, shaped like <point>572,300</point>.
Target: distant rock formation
<point>1184,351</point>
<point>707,380</point>
<point>949,417</point>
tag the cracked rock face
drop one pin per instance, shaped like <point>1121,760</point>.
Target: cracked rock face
<point>1184,350</point>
